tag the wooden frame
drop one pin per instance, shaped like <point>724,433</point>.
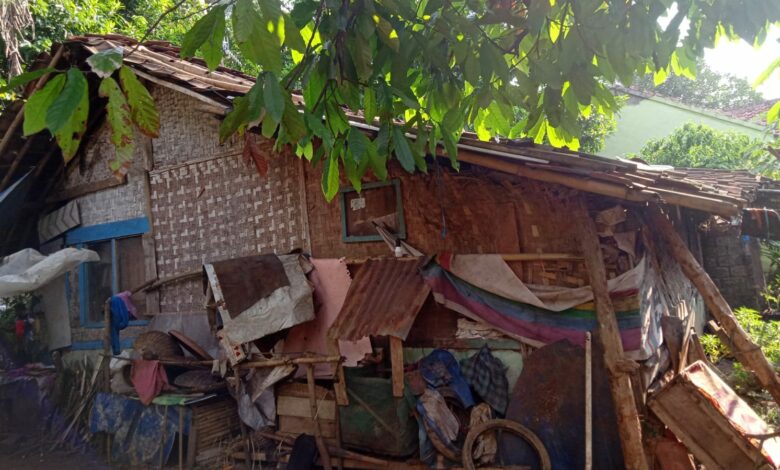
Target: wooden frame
<point>399,210</point>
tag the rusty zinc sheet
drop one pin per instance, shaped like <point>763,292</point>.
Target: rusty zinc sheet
<point>383,300</point>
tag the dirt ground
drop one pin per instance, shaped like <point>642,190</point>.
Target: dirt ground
<point>26,453</point>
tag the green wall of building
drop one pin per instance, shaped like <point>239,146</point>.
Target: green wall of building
<point>643,119</point>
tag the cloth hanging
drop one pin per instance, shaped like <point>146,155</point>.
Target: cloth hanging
<point>149,379</point>
<point>120,317</point>
<point>125,296</point>
<point>433,409</point>
<point>487,376</point>
<point>441,369</point>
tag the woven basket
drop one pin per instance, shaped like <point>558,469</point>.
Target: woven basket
<point>157,345</point>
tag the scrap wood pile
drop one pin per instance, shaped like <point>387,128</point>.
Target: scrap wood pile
<point>318,377</point>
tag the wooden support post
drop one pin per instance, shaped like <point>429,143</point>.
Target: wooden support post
<point>397,365</point>
<point>588,403</point>
<point>339,381</point>
<point>609,335</point>
<point>745,350</point>
<point>323,449</point>
<point>181,438</point>
<point>107,349</point>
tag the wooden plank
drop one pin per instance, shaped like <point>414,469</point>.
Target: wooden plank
<point>745,350</point>
<point>321,446</point>
<point>84,189</point>
<point>609,335</point>
<point>672,329</point>
<point>339,379</point>
<point>300,390</point>
<point>150,253</point>
<point>297,425</point>
<point>295,406</point>
<point>397,365</point>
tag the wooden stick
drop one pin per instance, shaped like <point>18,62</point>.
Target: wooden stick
<point>609,335</point>
<point>324,455</point>
<point>181,438</point>
<point>107,349</point>
<point>397,365</point>
<point>339,379</point>
<point>288,361</point>
<point>15,163</point>
<point>745,350</point>
<point>20,115</point>
<point>588,403</point>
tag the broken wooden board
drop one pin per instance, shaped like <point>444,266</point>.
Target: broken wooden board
<point>713,422</point>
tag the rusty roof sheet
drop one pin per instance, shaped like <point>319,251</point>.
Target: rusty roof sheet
<point>383,300</point>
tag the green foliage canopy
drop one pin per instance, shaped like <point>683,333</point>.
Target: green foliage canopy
<point>431,68</point>
<point>699,146</point>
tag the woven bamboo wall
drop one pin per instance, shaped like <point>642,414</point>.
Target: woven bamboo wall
<point>473,211</point>
<point>217,207</point>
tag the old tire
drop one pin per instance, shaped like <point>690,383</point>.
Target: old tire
<point>507,425</point>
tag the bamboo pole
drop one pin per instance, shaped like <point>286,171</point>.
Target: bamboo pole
<point>323,449</point>
<point>588,403</point>
<point>609,335</point>
<point>20,115</point>
<point>745,350</point>
<point>15,163</point>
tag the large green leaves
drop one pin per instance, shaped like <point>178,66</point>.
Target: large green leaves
<point>207,36</point>
<point>121,123</point>
<point>105,63</point>
<point>66,117</point>
<point>38,104</point>
<point>142,107</point>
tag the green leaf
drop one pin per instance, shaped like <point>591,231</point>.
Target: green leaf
<point>451,147</point>
<point>25,78</point>
<point>292,35</point>
<point>72,94</point>
<point>293,122</point>
<point>369,105</point>
<point>773,115</point>
<point>767,72</point>
<point>70,134</point>
<point>330,177</point>
<point>37,105</point>
<point>273,96</point>
<point>142,107</point>
<point>387,34</point>
<point>402,150</point>
<point>119,118</point>
<point>377,161</point>
<point>104,63</point>
<point>303,12</point>
<point>206,35</point>
<point>358,144</point>
<point>235,119</point>
<point>245,19</point>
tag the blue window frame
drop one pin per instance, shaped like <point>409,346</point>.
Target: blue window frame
<point>110,240</point>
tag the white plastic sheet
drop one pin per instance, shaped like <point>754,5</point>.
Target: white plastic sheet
<point>27,270</point>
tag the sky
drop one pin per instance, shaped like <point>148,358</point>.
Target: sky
<point>744,60</point>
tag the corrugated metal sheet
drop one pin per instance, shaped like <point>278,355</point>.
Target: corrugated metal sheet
<point>383,300</point>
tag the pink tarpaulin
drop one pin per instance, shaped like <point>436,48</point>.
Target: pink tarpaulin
<point>331,282</point>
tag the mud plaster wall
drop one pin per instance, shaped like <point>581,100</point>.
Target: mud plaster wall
<point>208,205</point>
<point>473,211</point>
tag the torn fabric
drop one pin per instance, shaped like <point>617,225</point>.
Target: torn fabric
<point>27,270</point>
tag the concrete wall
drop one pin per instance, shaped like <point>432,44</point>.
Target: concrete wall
<point>734,263</point>
<point>641,120</point>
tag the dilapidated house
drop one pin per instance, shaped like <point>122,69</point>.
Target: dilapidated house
<point>525,248</point>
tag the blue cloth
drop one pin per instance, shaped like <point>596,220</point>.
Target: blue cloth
<point>137,429</point>
<point>120,317</point>
<point>441,369</point>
